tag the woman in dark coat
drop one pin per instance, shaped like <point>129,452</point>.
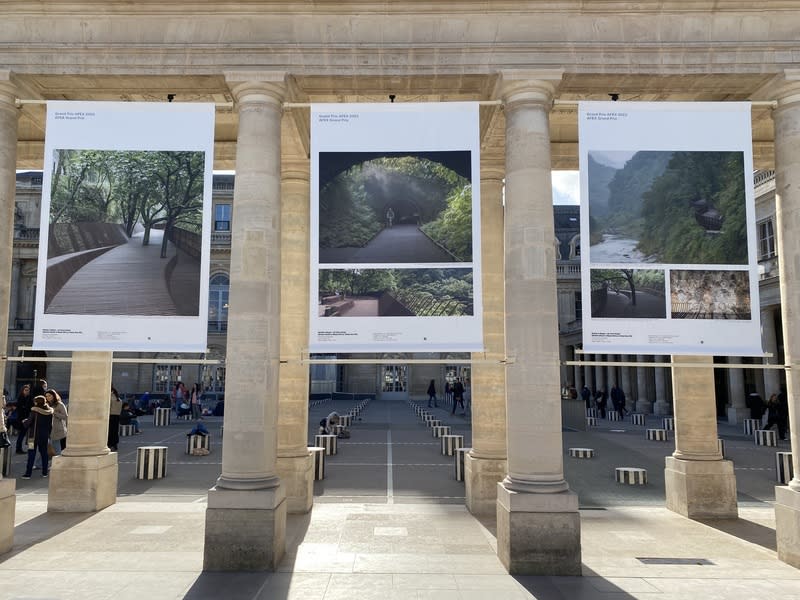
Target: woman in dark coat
<point>39,426</point>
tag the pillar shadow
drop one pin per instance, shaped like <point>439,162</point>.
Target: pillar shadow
<point>743,529</point>
<point>42,528</point>
<point>587,587</point>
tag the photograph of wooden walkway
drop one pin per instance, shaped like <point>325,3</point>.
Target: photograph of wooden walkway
<point>132,279</point>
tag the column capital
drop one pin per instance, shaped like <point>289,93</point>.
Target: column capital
<point>493,172</point>
<point>528,86</point>
<point>295,170</point>
<point>257,86</point>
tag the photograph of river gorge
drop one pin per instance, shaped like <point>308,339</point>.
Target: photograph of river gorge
<point>667,207</point>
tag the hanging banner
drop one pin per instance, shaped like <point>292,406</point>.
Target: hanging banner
<point>395,222</point>
<point>668,256</point>
<point>124,242</point>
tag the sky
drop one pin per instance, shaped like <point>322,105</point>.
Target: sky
<point>566,187</point>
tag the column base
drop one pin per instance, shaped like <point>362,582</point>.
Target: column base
<point>644,407</point>
<point>538,534</point>
<point>297,477</point>
<point>701,489</point>
<point>481,476</point>
<point>787,525</point>
<point>8,503</point>
<point>736,416</point>
<point>82,483</point>
<point>245,530</point>
<point>662,409</point>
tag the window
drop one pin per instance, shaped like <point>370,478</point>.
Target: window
<point>222,217</point>
<point>578,306</point>
<point>165,377</point>
<point>766,240</point>
<point>218,289</point>
<point>395,378</point>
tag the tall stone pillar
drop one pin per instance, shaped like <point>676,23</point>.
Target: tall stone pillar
<point>588,377</point>
<point>787,192</point>
<point>769,341</point>
<point>84,477</point>
<point>246,515</point>
<point>602,373</point>
<point>538,525</point>
<point>737,409</point>
<point>295,463</point>
<point>577,370</point>
<point>699,483</point>
<point>485,465</point>
<point>13,300</point>
<point>661,406</point>
<point>643,404</point>
<point>627,382</point>
<point>8,166</point>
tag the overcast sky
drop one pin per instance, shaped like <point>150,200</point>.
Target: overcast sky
<point>566,187</point>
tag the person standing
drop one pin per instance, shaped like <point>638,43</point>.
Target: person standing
<point>458,396</point>
<point>777,414</point>
<point>586,396</point>
<point>389,217</point>
<point>38,435</point>
<point>4,442</point>
<point>194,402</point>
<point>115,409</point>
<point>59,431</point>
<point>432,394</point>
<point>24,406</point>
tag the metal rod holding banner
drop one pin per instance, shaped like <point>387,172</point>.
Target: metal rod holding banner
<point>608,363</point>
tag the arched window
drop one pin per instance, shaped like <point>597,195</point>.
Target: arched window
<point>218,288</point>
<point>575,247</point>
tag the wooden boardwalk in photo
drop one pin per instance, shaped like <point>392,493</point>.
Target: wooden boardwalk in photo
<point>128,280</point>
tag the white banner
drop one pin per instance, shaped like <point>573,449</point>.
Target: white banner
<point>668,248</point>
<point>125,229</point>
<point>395,222</point>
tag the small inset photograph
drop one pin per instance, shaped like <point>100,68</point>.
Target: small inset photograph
<point>395,207</point>
<point>710,294</point>
<point>125,233</point>
<point>628,294</point>
<point>395,293</point>
<point>651,206</point>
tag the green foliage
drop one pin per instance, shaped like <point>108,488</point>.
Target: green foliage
<point>346,216</point>
<point>453,229</point>
<point>670,230</point>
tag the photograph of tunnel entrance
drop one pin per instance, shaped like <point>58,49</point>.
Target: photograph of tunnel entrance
<point>395,207</point>
<point>125,233</point>
<point>395,292</point>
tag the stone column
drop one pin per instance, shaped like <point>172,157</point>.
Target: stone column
<point>577,370</point>
<point>769,341</point>
<point>13,301</point>
<point>699,483</point>
<point>538,525</point>
<point>787,201</point>
<point>295,463</point>
<point>737,410</point>
<point>485,465</point>
<point>661,406</point>
<point>84,477</point>
<point>246,515</point>
<point>602,374</point>
<point>8,182</point>
<point>627,384</point>
<point>588,379</point>
<point>643,404</point>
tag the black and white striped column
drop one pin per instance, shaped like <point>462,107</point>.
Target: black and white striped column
<point>319,462</point>
<point>631,475</point>
<point>581,452</point>
<point>784,469</point>
<point>326,441</point>
<point>751,425</point>
<point>450,443</point>
<point>125,430</point>
<point>195,441</point>
<point>460,459</point>
<point>161,417</point>
<point>657,435</point>
<point>766,437</point>
<point>151,462</point>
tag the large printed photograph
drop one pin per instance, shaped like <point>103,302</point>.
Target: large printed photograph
<point>667,207</point>
<point>395,207</point>
<point>124,248</point>
<point>125,233</point>
<point>669,257</point>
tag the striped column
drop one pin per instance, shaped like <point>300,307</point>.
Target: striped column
<point>318,452</point>
<point>151,462</point>
<point>195,442</point>
<point>161,417</point>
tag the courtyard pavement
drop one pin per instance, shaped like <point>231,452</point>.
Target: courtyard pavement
<point>389,523</point>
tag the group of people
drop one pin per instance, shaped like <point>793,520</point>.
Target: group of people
<point>773,413</point>
<point>452,392</point>
<point>188,401</point>
<point>600,399</point>
<point>40,417</point>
